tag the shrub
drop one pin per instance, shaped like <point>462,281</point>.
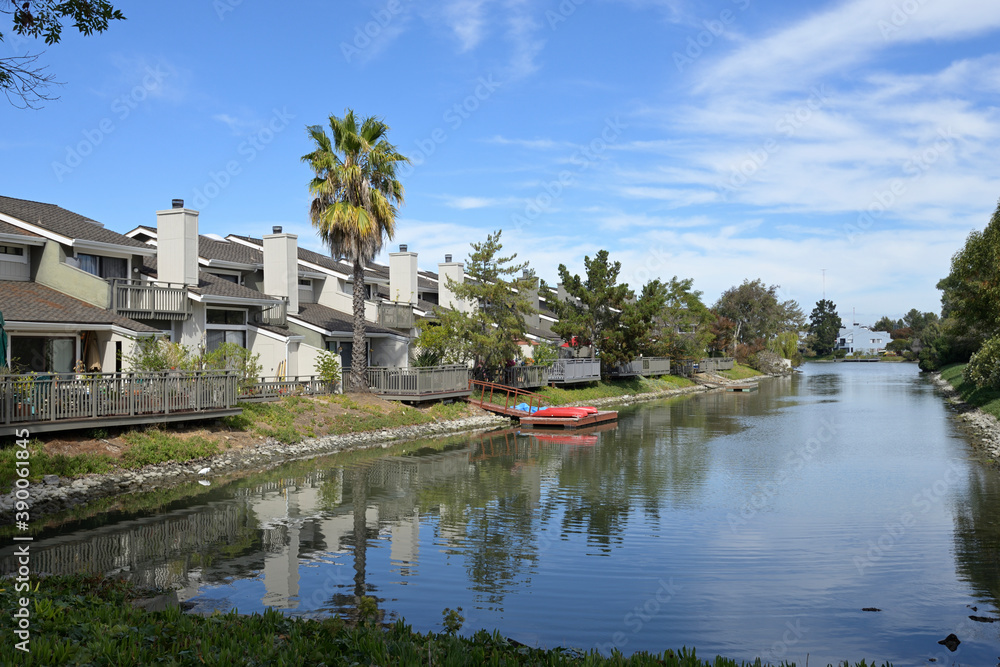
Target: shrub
<point>984,366</point>
<point>327,367</point>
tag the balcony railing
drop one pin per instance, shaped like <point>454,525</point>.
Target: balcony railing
<point>273,388</point>
<point>52,402</point>
<point>652,366</point>
<point>567,371</point>
<point>523,377</point>
<point>275,315</point>
<point>395,315</point>
<point>153,301</point>
<point>715,364</point>
<point>419,382</point>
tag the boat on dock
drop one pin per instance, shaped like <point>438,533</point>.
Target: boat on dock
<point>528,408</point>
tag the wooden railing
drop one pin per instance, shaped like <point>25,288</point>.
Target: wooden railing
<point>715,364</point>
<point>418,381</point>
<point>565,371</point>
<point>50,398</point>
<point>503,396</point>
<point>275,315</point>
<point>525,376</point>
<point>274,387</point>
<point>652,366</point>
<point>631,369</point>
<point>395,315</point>
<point>146,300</point>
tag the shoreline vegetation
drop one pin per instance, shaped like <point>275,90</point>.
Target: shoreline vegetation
<point>978,408</point>
<point>113,622</point>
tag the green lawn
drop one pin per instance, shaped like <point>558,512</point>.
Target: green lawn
<point>987,400</point>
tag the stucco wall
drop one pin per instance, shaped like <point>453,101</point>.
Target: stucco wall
<point>55,273</point>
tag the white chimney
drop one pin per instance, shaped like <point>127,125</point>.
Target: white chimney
<point>455,271</point>
<point>532,319</point>
<point>281,267</point>
<point>403,276</point>
<point>177,245</point>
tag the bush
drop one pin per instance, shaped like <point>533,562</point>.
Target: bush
<point>984,366</point>
<point>328,368</point>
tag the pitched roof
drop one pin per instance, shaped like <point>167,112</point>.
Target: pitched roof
<point>31,302</point>
<point>227,251</point>
<point>7,228</point>
<point>211,285</point>
<point>333,320</point>
<point>63,222</point>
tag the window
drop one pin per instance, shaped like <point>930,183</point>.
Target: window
<point>42,354</point>
<point>225,326</point>
<point>12,253</point>
<point>103,267</point>
<point>220,316</point>
<point>231,277</point>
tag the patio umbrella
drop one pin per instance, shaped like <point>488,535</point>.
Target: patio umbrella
<point>3,343</point>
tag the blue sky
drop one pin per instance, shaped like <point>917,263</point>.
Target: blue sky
<point>709,140</point>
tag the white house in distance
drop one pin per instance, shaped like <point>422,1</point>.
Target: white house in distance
<point>858,339</point>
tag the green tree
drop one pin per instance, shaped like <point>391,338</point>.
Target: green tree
<point>22,80</point>
<point>603,314</point>
<point>355,194</point>
<point>824,325</point>
<point>683,328</point>
<point>971,291</point>
<point>758,313</point>
<point>888,324</point>
<point>490,334</point>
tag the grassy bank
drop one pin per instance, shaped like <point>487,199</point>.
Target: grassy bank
<point>987,400</point>
<point>84,620</point>
<point>740,372</point>
<point>612,389</point>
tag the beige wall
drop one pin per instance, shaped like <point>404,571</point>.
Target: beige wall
<point>55,273</point>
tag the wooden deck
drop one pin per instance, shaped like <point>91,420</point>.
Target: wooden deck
<point>489,399</point>
<point>741,388</point>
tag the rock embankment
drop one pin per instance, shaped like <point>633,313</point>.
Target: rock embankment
<point>55,494</point>
<point>984,428</point>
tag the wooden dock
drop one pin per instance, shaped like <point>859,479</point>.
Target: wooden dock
<point>599,417</point>
<point>741,388</point>
<point>491,393</point>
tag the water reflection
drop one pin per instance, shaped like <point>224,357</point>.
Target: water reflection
<point>751,511</point>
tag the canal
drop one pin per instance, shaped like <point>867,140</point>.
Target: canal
<point>839,513</point>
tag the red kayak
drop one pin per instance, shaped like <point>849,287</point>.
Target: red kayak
<point>566,412</point>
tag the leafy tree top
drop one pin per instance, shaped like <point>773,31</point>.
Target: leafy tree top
<point>971,291</point>
<point>757,311</point>
<point>22,81</point>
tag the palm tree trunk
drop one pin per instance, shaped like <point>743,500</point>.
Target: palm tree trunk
<point>359,360</point>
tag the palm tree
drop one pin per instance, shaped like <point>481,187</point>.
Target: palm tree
<point>355,194</point>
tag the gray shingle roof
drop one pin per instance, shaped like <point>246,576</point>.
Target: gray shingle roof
<point>210,249</point>
<point>31,302</point>
<point>66,223</point>
<point>7,228</point>
<point>333,320</point>
<point>210,284</point>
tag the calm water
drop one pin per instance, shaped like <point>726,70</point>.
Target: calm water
<point>744,524</point>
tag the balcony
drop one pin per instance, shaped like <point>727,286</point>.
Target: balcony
<point>275,316</point>
<point>569,371</point>
<point>140,300</point>
<point>394,315</point>
<point>417,384</point>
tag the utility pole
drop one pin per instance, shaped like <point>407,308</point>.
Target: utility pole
<point>824,284</point>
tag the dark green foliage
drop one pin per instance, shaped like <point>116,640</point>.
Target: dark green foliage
<point>824,325</point>
<point>489,335</point>
<point>605,315</point>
